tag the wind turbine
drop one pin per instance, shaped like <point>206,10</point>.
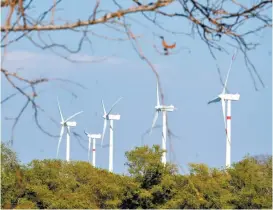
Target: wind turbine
<point>164,109</point>
<point>107,116</point>
<point>66,124</point>
<point>92,137</point>
<point>226,99</point>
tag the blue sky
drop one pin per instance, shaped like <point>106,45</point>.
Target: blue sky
<point>189,81</point>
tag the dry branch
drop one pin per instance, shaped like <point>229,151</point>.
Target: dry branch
<point>80,23</point>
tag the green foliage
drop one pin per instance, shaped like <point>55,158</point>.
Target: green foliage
<point>24,203</point>
<point>212,186</point>
<point>251,181</point>
<point>146,167</point>
<point>155,180</point>
<point>11,177</point>
<point>55,184</point>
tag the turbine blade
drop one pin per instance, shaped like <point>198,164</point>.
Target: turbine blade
<point>224,114</point>
<point>104,111</point>
<point>224,111</point>
<point>157,95</point>
<point>230,65</point>
<point>74,115</point>
<point>215,100</point>
<point>104,128</point>
<point>68,130</point>
<point>60,111</point>
<point>89,144</point>
<point>154,121</point>
<point>60,139</point>
<point>114,105</point>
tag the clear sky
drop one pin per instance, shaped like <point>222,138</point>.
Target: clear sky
<point>189,81</point>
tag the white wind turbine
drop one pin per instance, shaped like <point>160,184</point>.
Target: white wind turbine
<point>164,109</point>
<point>107,116</point>
<point>92,137</point>
<point>227,98</point>
<point>66,124</point>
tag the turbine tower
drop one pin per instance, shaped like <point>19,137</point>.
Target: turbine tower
<point>164,109</point>
<point>92,138</point>
<point>66,124</point>
<point>107,116</point>
<point>226,99</point>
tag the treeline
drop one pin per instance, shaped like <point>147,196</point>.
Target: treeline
<point>55,184</point>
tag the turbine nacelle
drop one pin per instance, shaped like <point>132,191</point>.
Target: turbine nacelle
<point>69,123</point>
<point>231,97</point>
<point>94,136</point>
<point>111,117</point>
<point>169,108</point>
